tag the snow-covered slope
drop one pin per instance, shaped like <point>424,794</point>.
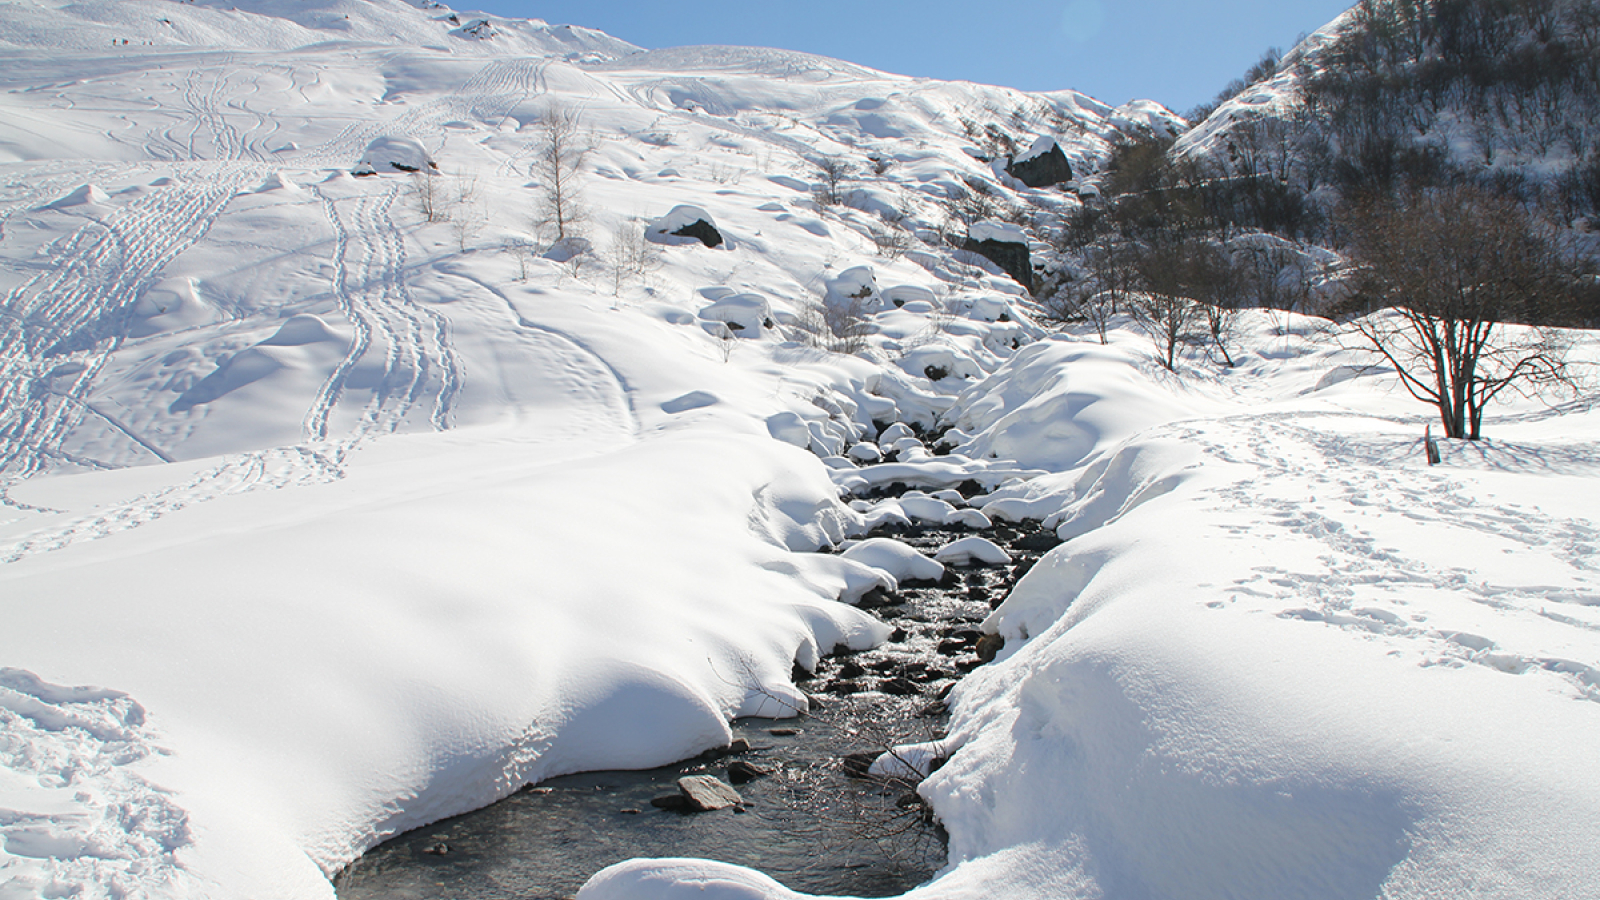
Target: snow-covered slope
<point>135,26</point>
<point>335,505</point>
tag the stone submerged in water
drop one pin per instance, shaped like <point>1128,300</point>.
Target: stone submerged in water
<point>743,772</point>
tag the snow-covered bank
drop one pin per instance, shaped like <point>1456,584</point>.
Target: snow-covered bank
<point>1279,655</point>
<point>333,505</point>
<point>341,662</point>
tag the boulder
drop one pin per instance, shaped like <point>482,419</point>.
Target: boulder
<point>1042,166</point>
<point>684,225</point>
<point>1012,258</point>
<point>702,231</point>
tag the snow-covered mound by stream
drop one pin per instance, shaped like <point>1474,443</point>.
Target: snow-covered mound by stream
<point>1278,654</point>
<point>337,499</point>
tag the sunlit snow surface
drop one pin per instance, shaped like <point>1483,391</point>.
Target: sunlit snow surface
<point>323,521</point>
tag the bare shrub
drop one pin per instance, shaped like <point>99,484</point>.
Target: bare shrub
<point>835,172</point>
<point>629,257</point>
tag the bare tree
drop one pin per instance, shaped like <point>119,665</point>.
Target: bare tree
<point>1453,270</point>
<point>1171,274</point>
<point>1169,320</point>
<point>835,171</point>
<point>559,151</point>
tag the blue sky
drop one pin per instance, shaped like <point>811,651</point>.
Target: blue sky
<point>1180,52</point>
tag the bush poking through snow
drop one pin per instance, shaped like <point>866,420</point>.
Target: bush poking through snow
<point>834,173</point>
<point>630,257</point>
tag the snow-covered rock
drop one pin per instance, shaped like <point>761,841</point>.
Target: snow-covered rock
<point>682,225</point>
<point>395,154</point>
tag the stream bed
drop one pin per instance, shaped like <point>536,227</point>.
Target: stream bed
<point>811,822</point>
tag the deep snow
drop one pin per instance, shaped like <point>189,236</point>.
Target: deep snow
<point>323,521</point>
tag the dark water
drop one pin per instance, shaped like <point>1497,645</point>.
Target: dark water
<point>808,824</point>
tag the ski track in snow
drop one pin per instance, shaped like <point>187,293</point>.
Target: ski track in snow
<point>67,320</point>
<point>85,814</point>
<point>1352,480</point>
<point>421,370</point>
<point>370,286</point>
<point>585,372</point>
<point>489,95</point>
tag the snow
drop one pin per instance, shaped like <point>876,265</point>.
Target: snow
<point>897,559</point>
<point>1040,146</point>
<point>320,521</point>
<point>973,550</point>
<point>1002,232</point>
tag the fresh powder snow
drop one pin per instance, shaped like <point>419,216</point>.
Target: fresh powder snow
<point>323,518</point>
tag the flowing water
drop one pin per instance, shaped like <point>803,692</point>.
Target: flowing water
<point>809,823</point>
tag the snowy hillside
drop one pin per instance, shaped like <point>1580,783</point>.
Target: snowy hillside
<point>339,493</point>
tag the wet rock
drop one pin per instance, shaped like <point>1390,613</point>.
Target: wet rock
<point>705,793</point>
<point>851,669</point>
<point>1038,542</point>
<point>437,849</point>
<point>739,745</point>
<point>990,646</point>
<point>673,802</point>
<point>899,687</point>
<point>800,673</point>
<point>934,709</point>
<point>845,687</point>
<point>899,635</point>
<point>857,765</point>
<point>742,771</point>
<point>877,598</point>
<point>783,732</point>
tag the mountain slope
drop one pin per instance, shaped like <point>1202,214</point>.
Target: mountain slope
<point>337,499</point>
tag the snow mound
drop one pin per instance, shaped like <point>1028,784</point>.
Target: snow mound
<point>395,154</point>
<point>897,559</point>
<point>682,879</point>
<point>854,291</point>
<point>302,329</point>
<point>82,195</point>
<point>971,551</point>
